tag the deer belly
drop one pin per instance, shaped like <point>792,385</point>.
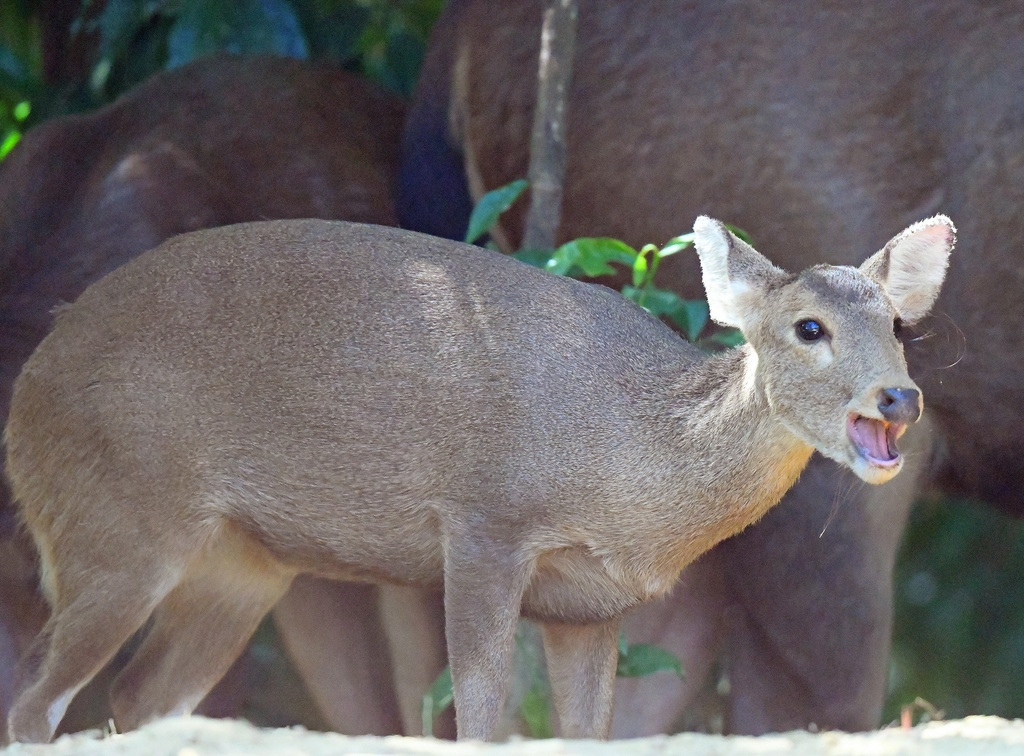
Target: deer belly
<point>574,586</point>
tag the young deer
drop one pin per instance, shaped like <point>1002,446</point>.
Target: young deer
<point>236,408</point>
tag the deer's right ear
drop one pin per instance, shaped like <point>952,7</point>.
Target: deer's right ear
<point>735,274</point>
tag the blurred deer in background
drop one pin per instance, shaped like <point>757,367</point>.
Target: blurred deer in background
<point>817,126</point>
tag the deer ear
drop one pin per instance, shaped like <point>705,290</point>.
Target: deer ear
<point>912,266</point>
<point>735,274</point>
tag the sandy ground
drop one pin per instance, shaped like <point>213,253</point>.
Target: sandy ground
<point>196,736</point>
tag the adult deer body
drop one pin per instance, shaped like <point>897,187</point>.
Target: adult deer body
<point>224,140</point>
<point>222,414</point>
<point>817,126</point>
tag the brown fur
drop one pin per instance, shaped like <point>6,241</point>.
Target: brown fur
<point>221,414</point>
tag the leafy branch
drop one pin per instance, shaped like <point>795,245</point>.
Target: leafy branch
<point>592,257</point>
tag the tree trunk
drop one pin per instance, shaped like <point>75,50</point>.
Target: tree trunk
<point>547,144</point>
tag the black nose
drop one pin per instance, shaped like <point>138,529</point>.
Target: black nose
<point>900,405</point>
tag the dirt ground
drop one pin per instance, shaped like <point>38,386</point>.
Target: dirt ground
<point>196,736</point>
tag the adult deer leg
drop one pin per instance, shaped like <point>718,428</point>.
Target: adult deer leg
<point>690,624</point>
<point>333,635</point>
<point>812,623</point>
<point>414,620</point>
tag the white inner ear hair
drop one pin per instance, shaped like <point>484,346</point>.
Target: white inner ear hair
<point>917,267</point>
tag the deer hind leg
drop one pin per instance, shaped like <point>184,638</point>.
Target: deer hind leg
<point>581,662</point>
<point>93,615</point>
<point>198,631</point>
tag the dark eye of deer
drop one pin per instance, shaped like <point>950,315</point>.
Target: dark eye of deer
<point>897,327</point>
<point>810,330</point>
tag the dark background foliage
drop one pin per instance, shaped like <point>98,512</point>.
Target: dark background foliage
<point>61,56</point>
<point>959,636</point>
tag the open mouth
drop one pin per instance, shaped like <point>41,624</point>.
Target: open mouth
<point>875,440</point>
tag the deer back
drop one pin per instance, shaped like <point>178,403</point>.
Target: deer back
<point>336,358</point>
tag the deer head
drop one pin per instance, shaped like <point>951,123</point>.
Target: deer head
<point>839,385</point>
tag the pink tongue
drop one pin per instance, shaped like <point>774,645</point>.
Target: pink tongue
<point>870,436</point>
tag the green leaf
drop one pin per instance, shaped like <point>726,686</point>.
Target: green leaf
<point>333,29</point>
<point>419,15</point>
<point>743,235</point>
<point>436,700</point>
<point>633,293</point>
<point>689,315</point>
<point>242,26</point>
<point>730,337</point>
<point>275,28</point>
<point>642,659</point>
<point>401,62</point>
<point>640,270</point>
<point>593,256</point>
<point>490,206</point>
<point>13,66</point>
<point>21,37</point>
<point>119,21</point>
<point>8,143</point>
<point>12,88</point>
<point>538,258</point>
<point>654,253</point>
<point>677,244</point>
<point>536,712</point>
<point>563,260</point>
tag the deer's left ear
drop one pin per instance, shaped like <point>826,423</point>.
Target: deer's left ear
<point>912,266</point>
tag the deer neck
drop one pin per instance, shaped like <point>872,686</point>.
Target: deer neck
<point>719,413</point>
